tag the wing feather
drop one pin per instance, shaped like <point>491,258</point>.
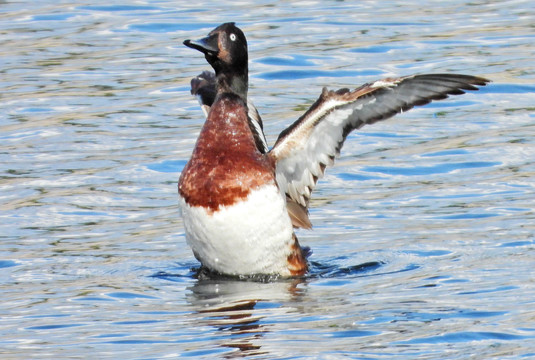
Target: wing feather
<point>309,145</point>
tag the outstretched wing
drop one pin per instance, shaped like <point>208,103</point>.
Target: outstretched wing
<point>203,86</point>
<point>305,148</point>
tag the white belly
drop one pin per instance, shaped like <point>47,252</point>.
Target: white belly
<point>252,236</point>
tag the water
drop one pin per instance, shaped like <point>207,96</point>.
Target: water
<point>423,230</point>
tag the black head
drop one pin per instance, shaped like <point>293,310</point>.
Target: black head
<point>225,48</point>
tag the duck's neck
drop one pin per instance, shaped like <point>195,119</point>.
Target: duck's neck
<point>233,82</point>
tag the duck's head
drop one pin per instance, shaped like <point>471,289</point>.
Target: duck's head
<point>225,48</point>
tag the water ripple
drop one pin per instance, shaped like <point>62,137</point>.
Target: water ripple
<point>429,170</point>
<point>423,238</point>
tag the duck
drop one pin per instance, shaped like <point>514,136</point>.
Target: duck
<point>240,200</point>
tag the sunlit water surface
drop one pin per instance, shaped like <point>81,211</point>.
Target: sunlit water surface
<point>423,230</point>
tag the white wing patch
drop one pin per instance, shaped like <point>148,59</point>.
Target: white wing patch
<point>298,171</point>
<point>385,83</point>
<point>256,122</point>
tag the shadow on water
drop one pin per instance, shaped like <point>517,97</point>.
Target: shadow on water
<point>316,270</point>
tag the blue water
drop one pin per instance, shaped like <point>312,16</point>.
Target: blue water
<point>424,230</point>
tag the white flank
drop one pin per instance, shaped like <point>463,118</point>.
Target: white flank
<point>253,236</point>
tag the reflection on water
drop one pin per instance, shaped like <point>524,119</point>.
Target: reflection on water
<point>229,307</point>
<point>423,239</point>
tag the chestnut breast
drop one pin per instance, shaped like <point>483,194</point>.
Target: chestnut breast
<point>226,164</point>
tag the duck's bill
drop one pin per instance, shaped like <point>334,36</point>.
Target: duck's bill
<point>207,45</point>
